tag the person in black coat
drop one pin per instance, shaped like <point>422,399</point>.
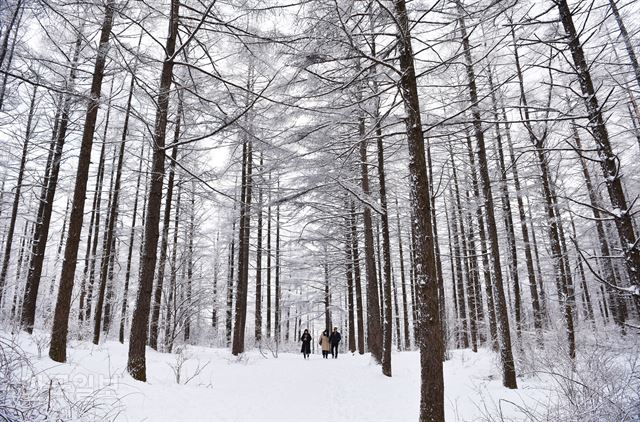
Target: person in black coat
<point>334,339</point>
<point>306,344</point>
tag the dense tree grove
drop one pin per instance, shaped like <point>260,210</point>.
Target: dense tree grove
<point>424,175</point>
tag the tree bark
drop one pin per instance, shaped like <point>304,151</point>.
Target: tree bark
<point>243,255</point>
<point>16,196</point>
<point>136,364</point>
<point>132,237</point>
<point>403,287</point>
<point>154,327</point>
<point>506,354</point>
<point>113,216</point>
<point>609,161</point>
<point>374,330</point>
<point>47,195</point>
<point>258,311</point>
<point>58,347</point>
<point>357,279</point>
<point>430,329</point>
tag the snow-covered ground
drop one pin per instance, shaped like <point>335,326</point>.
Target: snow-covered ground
<point>217,386</point>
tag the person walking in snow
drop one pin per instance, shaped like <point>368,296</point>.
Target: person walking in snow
<point>326,345</point>
<point>306,343</point>
<point>334,339</point>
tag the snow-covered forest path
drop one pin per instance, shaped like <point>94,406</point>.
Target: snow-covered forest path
<point>259,387</point>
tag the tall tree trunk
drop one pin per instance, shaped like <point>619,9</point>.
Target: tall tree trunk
<point>327,293</point>
<point>506,354</point>
<point>277,305</point>
<point>561,274</point>
<point>170,311</point>
<point>627,40</point>
<point>539,309</point>
<point>616,302</point>
<point>47,195</point>
<point>508,222</point>
<point>349,275</point>
<point>230,277</point>
<point>5,77</point>
<point>4,44</point>
<point>132,237</point>
<point>156,304</point>
<point>112,219</point>
<point>430,329</point>
<point>58,347</point>
<point>23,247</point>
<point>386,255</point>
<point>190,263</point>
<point>16,196</point>
<point>136,364</point>
<point>374,330</point>
<point>258,311</point>
<point>403,286</point>
<point>97,211</point>
<point>269,259</point>
<point>457,224</point>
<point>357,279</point>
<point>609,161</point>
<point>92,238</point>
<point>243,255</point>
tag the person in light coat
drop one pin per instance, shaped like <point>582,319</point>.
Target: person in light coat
<point>326,345</point>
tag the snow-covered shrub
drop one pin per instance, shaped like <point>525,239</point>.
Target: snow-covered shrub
<point>601,384</point>
<point>28,393</point>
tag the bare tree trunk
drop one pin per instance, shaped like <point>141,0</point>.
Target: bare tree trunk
<point>190,262</point>
<point>136,364</point>
<point>24,245</point>
<point>327,293</point>
<point>132,237</point>
<point>243,255</point>
<point>539,310</point>
<point>605,251</point>
<point>405,310</point>
<point>5,77</point>
<point>269,259</point>
<point>112,219</point>
<point>374,330</point>
<point>561,274</point>
<point>278,297</point>
<point>588,308</point>
<point>508,223</point>
<point>92,238</point>
<point>258,311</point>
<point>156,304</point>
<point>16,196</point>
<point>45,207</point>
<point>230,279</point>
<point>457,224</point>
<point>430,328</point>
<point>506,354</point>
<point>97,211</point>
<point>58,347</point>
<point>627,40</point>
<point>609,161</point>
<point>171,311</point>
<point>387,326</point>
<point>357,280</point>
<point>349,276</point>
<point>4,44</point>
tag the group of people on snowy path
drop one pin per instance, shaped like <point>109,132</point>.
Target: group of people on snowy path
<point>329,343</point>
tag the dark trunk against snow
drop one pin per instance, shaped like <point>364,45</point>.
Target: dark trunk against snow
<point>136,364</point>
<point>58,347</point>
<point>430,329</point>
